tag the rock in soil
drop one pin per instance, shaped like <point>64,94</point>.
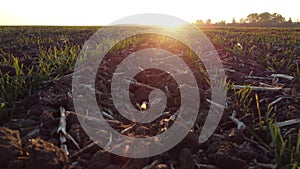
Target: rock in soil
<point>43,154</point>
<point>10,146</point>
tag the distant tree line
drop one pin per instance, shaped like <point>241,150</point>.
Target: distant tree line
<point>264,19</point>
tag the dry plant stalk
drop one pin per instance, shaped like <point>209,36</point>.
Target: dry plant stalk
<point>62,130</point>
<point>283,76</point>
<point>256,88</point>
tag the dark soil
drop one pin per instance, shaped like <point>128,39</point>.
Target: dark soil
<point>30,139</point>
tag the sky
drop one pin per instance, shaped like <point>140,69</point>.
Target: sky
<point>101,12</point>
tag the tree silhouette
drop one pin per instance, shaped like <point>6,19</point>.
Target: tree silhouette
<point>233,21</point>
<point>278,18</point>
<point>199,22</point>
<point>253,18</point>
<point>208,22</point>
<point>265,17</point>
